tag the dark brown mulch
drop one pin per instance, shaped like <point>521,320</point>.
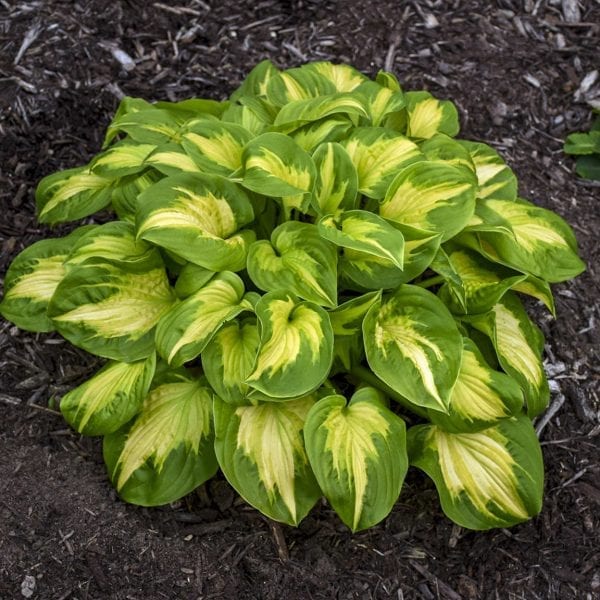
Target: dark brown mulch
<point>515,70</point>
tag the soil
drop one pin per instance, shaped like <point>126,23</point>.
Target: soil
<point>517,71</point>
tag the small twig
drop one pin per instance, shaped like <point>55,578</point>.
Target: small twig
<point>280,543</point>
<point>443,587</point>
<point>179,10</point>
<point>30,37</point>
<point>556,405</point>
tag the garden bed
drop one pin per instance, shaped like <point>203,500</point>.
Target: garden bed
<point>516,76</point>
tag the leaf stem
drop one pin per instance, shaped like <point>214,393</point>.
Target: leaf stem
<point>427,283</point>
<point>374,381</point>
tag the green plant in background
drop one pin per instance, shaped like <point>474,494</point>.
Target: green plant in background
<point>291,276</point>
<point>587,147</point>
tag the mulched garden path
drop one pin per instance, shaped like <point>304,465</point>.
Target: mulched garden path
<point>520,73</point>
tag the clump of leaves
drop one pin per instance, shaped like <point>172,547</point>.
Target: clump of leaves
<point>292,275</point>
<point>586,146</point>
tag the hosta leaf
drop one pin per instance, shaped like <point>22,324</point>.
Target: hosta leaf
<point>496,180</point>
<point>191,278</point>
<point>378,155</point>
<point>480,397</point>
<point>297,259</point>
<point>433,196</point>
<point>32,279</point>
<point>518,344</point>
<point>388,80</point>
<point>369,272</point>
<point>296,346</point>
<point>478,283</point>
<point>70,195</point>
<point>300,112</point>
<point>310,136</point>
<point>443,148</point>
<point>414,346</point>
<point>255,83</point>
<point>491,478</point>
<point>346,322</point>
<point>112,241</point>
<point>358,455</point>
<point>108,400</point>
<point>196,216</point>
<point>167,451</point>
<point>121,159</point>
<point>538,288</point>
<point>216,147</point>
<point>344,77</point>
<point>188,326</point>
<point>248,117</point>
<point>541,242</point>
<point>125,196</point>
<point>364,231</point>
<point>275,165</point>
<point>228,359</point>
<point>110,308</point>
<point>149,125</point>
<point>379,101</point>
<point>194,107</point>
<point>336,184</point>
<point>301,83</point>
<point>428,115</point>
<point>261,453</point>
<point>126,106</point>
<point>171,159</point>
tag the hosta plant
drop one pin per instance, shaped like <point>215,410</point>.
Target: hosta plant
<point>290,279</point>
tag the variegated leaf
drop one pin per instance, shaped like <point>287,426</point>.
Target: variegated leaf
<point>191,278</point>
<point>274,165</point>
<point>108,400</point>
<point>110,308</point>
<point>311,136</point>
<point>358,455</point>
<point>197,216</point>
<point>431,195</point>
<point>250,117</point>
<point>72,194</point>
<point>300,112</point>
<point>32,279</point>
<point>301,83</point>
<point>477,284</point>
<point>414,346</point>
<point>113,241</point>
<point>519,344</point>
<point>364,231</point>
<point>296,346</point>
<point>379,101</point>
<point>216,147</point>
<point>378,155</point>
<point>150,125</point>
<point>167,451</point>
<point>344,77</point>
<point>261,452</point>
<point>185,330</point>
<point>442,147</point>
<point>541,243</point>
<point>255,83</point>
<point>346,321</point>
<point>336,184</point>
<point>125,196</point>
<point>496,180</point>
<point>124,158</point>
<point>296,259</point>
<point>481,396</point>
<point>364,271</point>
<point>126,106</point>
<point>427,116</point>
<point>171,159</point>
<point>491,478</point>
<point>228,359</point>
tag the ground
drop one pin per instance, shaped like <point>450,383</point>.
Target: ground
<point>517,72</point>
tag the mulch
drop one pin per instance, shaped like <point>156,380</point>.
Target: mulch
<point>521,74</point>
